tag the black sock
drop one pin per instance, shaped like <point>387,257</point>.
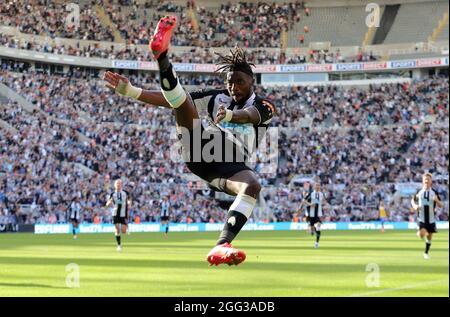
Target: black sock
<point>167,228</point>
<point>163,61</point>
<point>234,224</point>
<point>169,79</point>
<point>118,240</point>
<point>317,236</point>
<point>73,231</point>
<point>427,246</point>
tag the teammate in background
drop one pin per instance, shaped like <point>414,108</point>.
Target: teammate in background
<point>315,201</point>
<point>383,215</point>
<point>164,216</point>
<point>121,201</point>
<point>306,191</point>
<point>234,114</point>
<point>75,215</point>
<point>424,202</point>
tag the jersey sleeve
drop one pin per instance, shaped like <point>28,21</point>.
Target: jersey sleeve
<point>438,197</point>
<point>308,197</point>
<point>202,97</point>
<point>437,194</point>
<point>265,109</point>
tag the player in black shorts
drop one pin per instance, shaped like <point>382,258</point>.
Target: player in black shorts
<point>164,216</point>
<point>315,201</point>
<point>74,215</point>
<point>120,201</point>
<point>425,202</point>
<point>236,108</point>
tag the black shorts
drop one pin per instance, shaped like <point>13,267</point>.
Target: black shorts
<point>313,220</point>
<point>74,220</point>
<point>213,172</point>
<point>121,220</point>
<point>165,218</point>
<point>429,227</point>
<point>216,174</point>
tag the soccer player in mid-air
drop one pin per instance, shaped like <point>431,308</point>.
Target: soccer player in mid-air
<point>315,201</point>
<point>235,114</point>
<point>424,202</point>
<point>121,202</point>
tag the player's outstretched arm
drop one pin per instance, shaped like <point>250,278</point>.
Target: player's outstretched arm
<point>249,115</point>
<point>261,112</point>
<point>122,86</point>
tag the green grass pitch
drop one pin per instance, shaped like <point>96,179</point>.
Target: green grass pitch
<point>279,263</point>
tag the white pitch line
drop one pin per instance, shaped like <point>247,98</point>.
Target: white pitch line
<point>398,288</point>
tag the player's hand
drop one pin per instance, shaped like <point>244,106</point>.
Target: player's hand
<point>121,85</point>
<point>221,113</point>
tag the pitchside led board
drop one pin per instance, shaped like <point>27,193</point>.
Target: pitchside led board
<point>202,227</point>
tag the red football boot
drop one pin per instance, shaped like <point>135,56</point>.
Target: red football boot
<point>225,254</point>
<point>159,43</point>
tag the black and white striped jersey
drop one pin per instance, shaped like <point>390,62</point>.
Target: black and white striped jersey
<point>316,199</point>
<point>120,203</point>
<point>247,136</point>
<point>164,209</point>
<point>427,206</point>
<point>75,210</point>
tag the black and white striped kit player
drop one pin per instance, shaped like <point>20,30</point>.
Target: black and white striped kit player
<point>165,210</point>
<point>246,136</point>
<point>75,215</point>
<point>426,214</point>
<point>164,215</point>
<point>119,201</point>
<point>120,206</point>
<point>315,199</point>
<point>239,140</point>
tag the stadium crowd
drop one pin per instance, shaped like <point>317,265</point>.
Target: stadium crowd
<point>253,24</point>
<point>99,136</point>
<point>87,98</point>
<point>42,17</point>
<point>250,25</point>
<point>193,55</point>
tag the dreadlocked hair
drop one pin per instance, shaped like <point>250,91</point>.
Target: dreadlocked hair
<point>236,61</point>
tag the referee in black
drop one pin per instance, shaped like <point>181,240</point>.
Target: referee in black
<point>121,200</point>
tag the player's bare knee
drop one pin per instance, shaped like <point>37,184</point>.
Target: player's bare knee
<point>253,188</point>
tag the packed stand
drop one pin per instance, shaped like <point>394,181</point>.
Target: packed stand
<point>42,17</point>
<point>135,146</point>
